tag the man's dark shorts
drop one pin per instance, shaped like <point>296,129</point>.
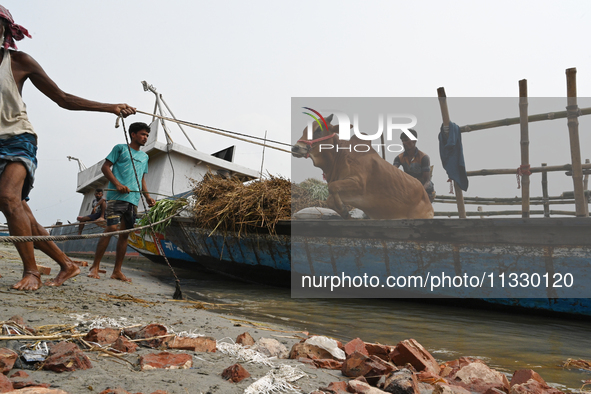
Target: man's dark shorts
<point>21,148</point>
<point>117,210</point>
<point>94,216</point>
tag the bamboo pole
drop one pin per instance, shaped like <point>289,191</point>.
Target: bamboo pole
<point>545,192</point>
<point>445,117</point>
<point>575,149</point>
<point>524,126</point>
<point>511,171</point>
<point>513,121</point>
<point>518,202</point>
<point>504,213</point>
<point>586,178</point>
<point>586,187</point>
<point>504,199</point>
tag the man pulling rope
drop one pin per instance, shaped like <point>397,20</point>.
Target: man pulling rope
<point>18,149</point>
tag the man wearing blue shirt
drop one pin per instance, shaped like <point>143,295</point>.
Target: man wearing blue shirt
<point>122,203</point>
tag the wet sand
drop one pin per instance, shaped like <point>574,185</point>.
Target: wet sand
<point>83,298</point>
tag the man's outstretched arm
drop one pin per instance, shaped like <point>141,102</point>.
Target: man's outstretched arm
<point>29,68</point>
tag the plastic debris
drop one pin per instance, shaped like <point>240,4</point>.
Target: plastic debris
<point>277,381</point>
<point>330,345</point>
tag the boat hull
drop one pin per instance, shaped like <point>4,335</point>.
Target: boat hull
<point>406,247</point>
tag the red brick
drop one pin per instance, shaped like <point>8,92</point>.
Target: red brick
<point>7,359</point>
<point>199,344</point>
<point>358,364</point>
<point>377,349</point>
<point>360,387</point>
<point>523,375</point>
<point>19,374</point>
<point>117,390</point>
<point>401,382</point>
<point>38,390</point>
<point>245,339</point>
<point>476,376</point>
<point>308,351</point>
<point>17,319</point>
<point>165,360</point>
<point>151,331</point>
<point>235,373</point>
<point>356,345</point>
<point>327,363</point>
<point>411,352</point>
<point>102,336</point>
<point>22,383</point>
<point>338,387</point>
<point>43,270</point>
<point>124,345</point>
<point>66,356</point>
<point>533,386</point>
<point>5,384</point>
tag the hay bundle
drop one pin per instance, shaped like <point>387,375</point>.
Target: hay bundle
<point>230,205</point>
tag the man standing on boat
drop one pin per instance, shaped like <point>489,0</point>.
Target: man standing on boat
<point>18,149</point>
<point>123,194</point>
<point>415,163</point>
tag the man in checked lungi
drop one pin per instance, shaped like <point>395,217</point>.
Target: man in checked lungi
<point>18,149</point>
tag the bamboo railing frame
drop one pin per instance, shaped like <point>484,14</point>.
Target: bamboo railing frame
<point>572,113</point>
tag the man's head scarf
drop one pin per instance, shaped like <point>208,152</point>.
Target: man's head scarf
<point>12,31</point>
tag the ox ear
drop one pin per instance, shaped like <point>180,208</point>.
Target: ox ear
<point>329,118</point>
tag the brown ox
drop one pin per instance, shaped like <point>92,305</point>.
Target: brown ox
<point>363,179</point>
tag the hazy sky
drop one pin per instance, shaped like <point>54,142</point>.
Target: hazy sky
<point>236,65</point>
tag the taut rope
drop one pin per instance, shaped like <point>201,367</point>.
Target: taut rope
<point>225,133</point>
<point>178,294</point>
<point>35,238</point>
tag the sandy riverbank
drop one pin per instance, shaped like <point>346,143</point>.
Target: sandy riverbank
<point>83,298</point>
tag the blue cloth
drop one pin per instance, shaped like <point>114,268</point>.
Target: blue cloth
<point>452,155</point>
<point>123,171</point>
<point>21,148</point>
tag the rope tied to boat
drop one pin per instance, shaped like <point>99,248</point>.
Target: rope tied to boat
<point>522,170</point>
<point>36,238</point>
<point>178,294</point>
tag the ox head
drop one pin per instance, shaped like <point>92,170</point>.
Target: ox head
<point>306,147</point>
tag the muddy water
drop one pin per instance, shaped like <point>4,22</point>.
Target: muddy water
<point>505,341</point>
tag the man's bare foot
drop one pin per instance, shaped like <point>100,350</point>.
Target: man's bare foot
<point>120,276</point>
<point>94,273</point>
<point>31,281</point>
<point>71,271</point>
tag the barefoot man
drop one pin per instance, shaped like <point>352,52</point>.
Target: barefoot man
<point>18,148</point>
<point>122,205</point>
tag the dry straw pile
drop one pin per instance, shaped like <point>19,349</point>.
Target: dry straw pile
<point>230,205</point>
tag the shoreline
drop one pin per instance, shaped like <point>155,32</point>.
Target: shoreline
<point>83,298</point>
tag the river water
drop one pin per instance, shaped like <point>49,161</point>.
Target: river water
<point>505,341</point>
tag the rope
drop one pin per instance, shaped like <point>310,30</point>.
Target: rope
<point>178,294</point>
<point>35,238</point>
<point>214,130</point>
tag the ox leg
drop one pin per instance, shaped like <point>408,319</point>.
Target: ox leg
<point>350,185</point>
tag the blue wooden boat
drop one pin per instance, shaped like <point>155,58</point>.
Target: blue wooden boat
<point>382,248</point>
